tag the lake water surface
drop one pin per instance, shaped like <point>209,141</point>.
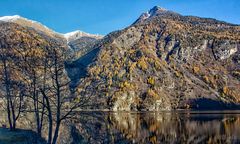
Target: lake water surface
<point>150,127</point>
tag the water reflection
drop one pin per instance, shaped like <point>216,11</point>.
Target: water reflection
<point>175,127</point>
<point>155,128</point>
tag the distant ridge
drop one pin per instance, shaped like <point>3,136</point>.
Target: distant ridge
<point>71,36</point>
<point>78,34</point>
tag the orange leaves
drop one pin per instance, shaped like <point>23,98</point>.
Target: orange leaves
<point>153,94</point>
<point>132,67</point>
<point>196,69</point>
<point>142,64</point>
<point>232,92</point>
<point>151,81</point>
<point>126,84</point>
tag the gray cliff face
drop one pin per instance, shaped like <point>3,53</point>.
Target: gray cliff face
<point>166,61</point>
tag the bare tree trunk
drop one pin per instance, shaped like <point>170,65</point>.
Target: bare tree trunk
<point>58,94</point>
<point>36,110</point>
<point>13,115</point>
<point>50,120</point>
<point>9,115</point>
<point>50,123</point>
<point>42,116</point>
<point>56,132</point>
<point>8,94</point>
<point>35,104</point>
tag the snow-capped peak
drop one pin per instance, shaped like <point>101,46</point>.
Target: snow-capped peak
<point>10,18</point>
<point>40,27</point>
<point>78,34</point>
<point>156,10</point>
<point>25,22</point>
<point>73,33</point>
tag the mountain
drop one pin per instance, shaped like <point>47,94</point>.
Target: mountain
<point>163,61</point>
<point>153,12</point>
<point>71,36</point>
<point>30,24</point>
<point>78,42</point>
<point>25,51</point>
<point>81,42</point>
<point>68,38</point>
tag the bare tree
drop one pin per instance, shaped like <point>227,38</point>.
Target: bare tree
<point>37,72</point>
<point>61,101</point>
<point>14,89</point>
<point>34,69</point>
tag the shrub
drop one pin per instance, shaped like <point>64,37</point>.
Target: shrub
<point>157,65</point>
<point>132,67</point>
<point>178,74</point>
<point>142,64</point>
<point>231,92</point>
<point>151,81</point>
<point>206,79</point>
<point>196,69</point>
<point>126,84</point>
<point>151,93</point>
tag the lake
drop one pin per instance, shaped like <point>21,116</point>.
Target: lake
<point>147,127</point>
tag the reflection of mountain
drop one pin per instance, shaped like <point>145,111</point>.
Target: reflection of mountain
<point>100,127</point>
<point>157,128</point>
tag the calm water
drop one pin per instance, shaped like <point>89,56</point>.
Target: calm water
<point>165,127</point>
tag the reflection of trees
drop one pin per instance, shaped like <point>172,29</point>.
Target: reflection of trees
<point>99,127</point>
<point>143,128</point>
<point>157,128</point>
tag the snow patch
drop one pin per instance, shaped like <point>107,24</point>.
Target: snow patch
<point>38,26</point>
<point>144,16</point>
<point>10,18</point>
<point>78,34</point>
<point>15,18</point>
<point>152,12</point>
<point>156,9</point>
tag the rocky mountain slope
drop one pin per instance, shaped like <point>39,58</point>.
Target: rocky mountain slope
<point>81,43</point>
<point>31,24</point>
<point>164,61</point>
<point>23,51</point>
<point>70,38</point>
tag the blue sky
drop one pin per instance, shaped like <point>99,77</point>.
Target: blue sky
<point>104,16</point>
